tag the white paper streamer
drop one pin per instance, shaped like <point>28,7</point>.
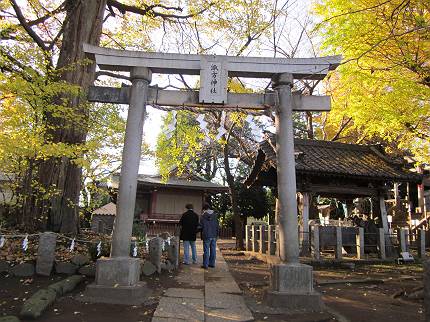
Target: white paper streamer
<point>168,241</point>
<point>25,243</point>
<point>255,129</point>
<point>135,250</point>
<point>72,245</point>
<point>2,241</point>
<point>172,126</point>
<point>99,248</point>
<point>202,122</point>
<point>147,246</point>
<point>221,129</point>
<point>203,127</point>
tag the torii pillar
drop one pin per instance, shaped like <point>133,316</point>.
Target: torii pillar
<point>117,279</point>
<point>291,283</point>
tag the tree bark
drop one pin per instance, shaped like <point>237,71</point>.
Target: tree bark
<point>309,125</point>
<point>83,24</point>
<point>234,201</point>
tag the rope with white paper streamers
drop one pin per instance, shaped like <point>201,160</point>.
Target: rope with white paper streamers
<point>199,110</point>
<point>25,242</point>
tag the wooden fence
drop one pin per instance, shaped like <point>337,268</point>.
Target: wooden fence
<point>174,229</point>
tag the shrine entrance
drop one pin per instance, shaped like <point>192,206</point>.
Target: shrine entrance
<point>118,276</point>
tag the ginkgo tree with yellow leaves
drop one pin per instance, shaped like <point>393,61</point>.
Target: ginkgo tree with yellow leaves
<point>381,92</point>
<point>41,49</point>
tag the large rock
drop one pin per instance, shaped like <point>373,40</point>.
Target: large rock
<point>46,253</point>
<point>80,260</point>
<point>36,304</point>
<point>88,270</point>
<point>148,268</point>
<point>65,268</point>
<point>4,267</point>
<point>23,270</point>
<point>66,285</point>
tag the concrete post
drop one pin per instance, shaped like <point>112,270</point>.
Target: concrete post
<point>255,243</point>
<point>360,243</point>
<point>316,242</point>
<point>131,154</point>
<point>271,244</point>
<point>263,239</point>
<point>248,236</point>
<point>381,243</point>
<point>421,241</point>
<point>338,252</point>
<point>388,246</point>
<point>286,170</point>
<point>305,241</point>
<point>402,240</point>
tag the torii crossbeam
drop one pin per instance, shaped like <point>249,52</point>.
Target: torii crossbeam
<point>291,282</point>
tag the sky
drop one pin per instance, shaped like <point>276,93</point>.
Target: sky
<point>152,127</point>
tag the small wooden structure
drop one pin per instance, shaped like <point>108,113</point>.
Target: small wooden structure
<point>159,202</point>
<point>102,219</point>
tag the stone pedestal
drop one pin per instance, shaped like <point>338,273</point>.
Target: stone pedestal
<point>117,282</point>
<point>291,287</point>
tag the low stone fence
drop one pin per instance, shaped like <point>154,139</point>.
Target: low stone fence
<point>158,253</point>
<point>342,240</point>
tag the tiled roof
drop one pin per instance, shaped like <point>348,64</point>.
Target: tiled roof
<point>106,210</point>
<point>185,181</point>
<point>335,159</point>
<point>180,182</point>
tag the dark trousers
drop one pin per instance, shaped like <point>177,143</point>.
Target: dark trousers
<point>209,252</point>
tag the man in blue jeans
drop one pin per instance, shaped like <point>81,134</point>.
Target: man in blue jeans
<point>189,223</point>
<point>209,228</point>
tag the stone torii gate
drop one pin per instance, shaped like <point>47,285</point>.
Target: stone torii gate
<point>117,277</point>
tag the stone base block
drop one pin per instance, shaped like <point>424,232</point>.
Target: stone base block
<point>118,271</point>
<point>292,278</point>
<point>295,302</point>
<point>127,295</point>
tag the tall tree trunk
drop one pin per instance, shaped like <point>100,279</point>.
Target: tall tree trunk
<point>309,125</point>
<point>83,24</point>
<point>234,201</point>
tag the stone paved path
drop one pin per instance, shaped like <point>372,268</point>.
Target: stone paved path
<point>205,295</point>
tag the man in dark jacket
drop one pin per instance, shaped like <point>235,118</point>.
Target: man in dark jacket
<point>189,223</point>
<point>209,227</point>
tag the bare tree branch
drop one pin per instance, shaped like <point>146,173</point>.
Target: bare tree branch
<point>123,8</point>
<point>39,41</point>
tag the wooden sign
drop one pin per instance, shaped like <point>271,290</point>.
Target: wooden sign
<point>213,81</point>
